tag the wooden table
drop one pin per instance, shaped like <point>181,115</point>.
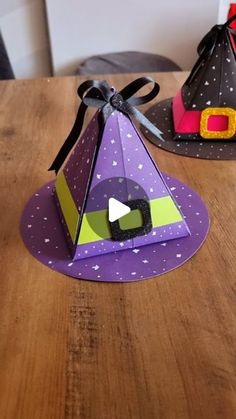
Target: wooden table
<point>161,348</point>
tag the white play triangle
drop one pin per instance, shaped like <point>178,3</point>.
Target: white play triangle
<point>116,209</point>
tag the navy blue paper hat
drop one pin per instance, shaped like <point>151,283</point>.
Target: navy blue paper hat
<point>200,121</point>
<point>204,108</point>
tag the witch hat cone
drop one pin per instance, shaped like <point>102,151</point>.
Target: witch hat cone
<point>112,161</point>
<point>200,120</point>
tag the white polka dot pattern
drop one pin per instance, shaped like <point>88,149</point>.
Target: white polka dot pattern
<point>43,235</point>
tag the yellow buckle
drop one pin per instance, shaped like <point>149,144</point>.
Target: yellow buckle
<point>226,134</point>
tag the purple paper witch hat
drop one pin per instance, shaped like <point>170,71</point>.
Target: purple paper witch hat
<point>110,161</point>
<point>200,120</point>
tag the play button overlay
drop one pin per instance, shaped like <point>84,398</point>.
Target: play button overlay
<point>116,209</point>
<point>145,225</point>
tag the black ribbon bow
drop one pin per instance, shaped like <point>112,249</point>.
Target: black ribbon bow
<point>100,95</point>
<point>207,45</point>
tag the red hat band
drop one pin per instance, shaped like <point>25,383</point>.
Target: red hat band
<point>210,123</point>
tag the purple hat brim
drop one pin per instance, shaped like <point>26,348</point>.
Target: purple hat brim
<point>43,235</point>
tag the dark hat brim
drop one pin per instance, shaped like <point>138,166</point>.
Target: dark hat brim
<point>161,115</point>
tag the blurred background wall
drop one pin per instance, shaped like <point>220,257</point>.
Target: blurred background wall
<point>53,36</point>
<point>24,29</point>
<point>169,27</point>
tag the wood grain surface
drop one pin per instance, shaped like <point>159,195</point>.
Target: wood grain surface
<point>161,348</point>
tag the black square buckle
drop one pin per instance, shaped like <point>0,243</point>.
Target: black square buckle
<point>117,234</point>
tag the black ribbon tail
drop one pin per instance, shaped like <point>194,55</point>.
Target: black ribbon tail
<point>71,139</point>
<point>130,101</point>
<point>148,125</point>
<point>94,93</point>
<point>145,122</point>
